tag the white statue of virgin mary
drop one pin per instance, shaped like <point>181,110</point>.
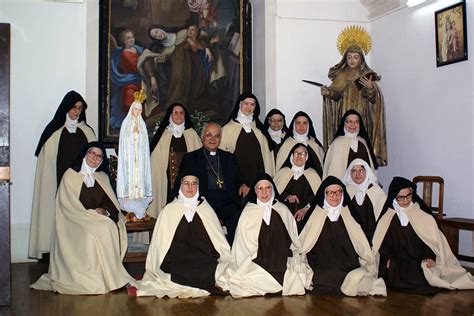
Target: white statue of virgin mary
<point>134,173</point>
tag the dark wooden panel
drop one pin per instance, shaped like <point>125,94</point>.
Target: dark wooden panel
<point>452,236</point>
<point>5,267</point>
<point>4,88</point>
<point>465,258</point>
<point>5,281</point>
<point>135,257</point>
<point>141,226</point>
<point>451,227</point>
<point>459,223</point>
<point>4,154</point>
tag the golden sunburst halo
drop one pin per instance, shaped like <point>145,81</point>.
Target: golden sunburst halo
<point>354,35</point>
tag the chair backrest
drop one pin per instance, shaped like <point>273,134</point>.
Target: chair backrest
<point>427,183</point>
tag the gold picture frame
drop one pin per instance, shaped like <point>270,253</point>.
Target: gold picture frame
<point>451,34</point>
<point>203,62</point>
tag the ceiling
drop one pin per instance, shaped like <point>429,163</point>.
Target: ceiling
<point>378,8</point>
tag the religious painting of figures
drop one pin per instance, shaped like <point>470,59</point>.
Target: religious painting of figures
<point>193,52</point>
<point>451,34</point>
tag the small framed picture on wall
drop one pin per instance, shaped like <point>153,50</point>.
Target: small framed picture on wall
<point>451,34</point>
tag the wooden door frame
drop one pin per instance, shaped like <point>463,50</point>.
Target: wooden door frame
<point>5,243</point>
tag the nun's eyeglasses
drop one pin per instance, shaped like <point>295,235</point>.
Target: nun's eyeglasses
<point>351,122</point>
<point>333,193</point>
<point>407,197</point>
<point>274,120</point>
<point>358,171</point>
<point>189,183</point>
<point>177,113</point>
<point>263,189</point>
<point>300,154</point>
<point>93,155</point>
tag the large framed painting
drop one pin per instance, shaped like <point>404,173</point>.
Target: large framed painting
<point>193,52</point>
<point>451,34</point>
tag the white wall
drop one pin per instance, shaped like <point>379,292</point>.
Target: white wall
<point>306,33</point>
<point>50,55</point>
<point>263,15</point>
<point>429,110</point>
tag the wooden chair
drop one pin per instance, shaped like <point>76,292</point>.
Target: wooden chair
<point>449,226</point>
<point>427,185</point>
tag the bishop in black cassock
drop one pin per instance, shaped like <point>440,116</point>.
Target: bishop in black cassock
<point>218,174</point>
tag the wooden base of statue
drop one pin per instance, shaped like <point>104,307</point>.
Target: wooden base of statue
<point>147,224</point>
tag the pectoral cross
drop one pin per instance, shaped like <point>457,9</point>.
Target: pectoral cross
<point>220,183</point>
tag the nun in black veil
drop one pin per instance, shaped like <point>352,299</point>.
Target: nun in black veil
<point>175,137</point>
<point>275,125</point>
<point>414,254</point>
<point>244,136</point>
<point>302,131</point>
<point>58,147</point>
<point>89,236</point>
<point>266,256</point>
<point>297,181</point>
<point>335,246</point>
<point>351,141</point>
<point>188,252</point>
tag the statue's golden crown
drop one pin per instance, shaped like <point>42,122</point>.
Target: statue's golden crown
<point>354,35</point>
<point>140,96</point>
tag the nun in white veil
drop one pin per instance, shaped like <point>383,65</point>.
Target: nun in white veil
<point>366,195</point>
<point>134,190</point>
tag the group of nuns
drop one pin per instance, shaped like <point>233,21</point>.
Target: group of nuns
<point>311,221</point>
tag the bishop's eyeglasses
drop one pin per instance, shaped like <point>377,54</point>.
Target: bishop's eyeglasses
<point>212,135</point>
